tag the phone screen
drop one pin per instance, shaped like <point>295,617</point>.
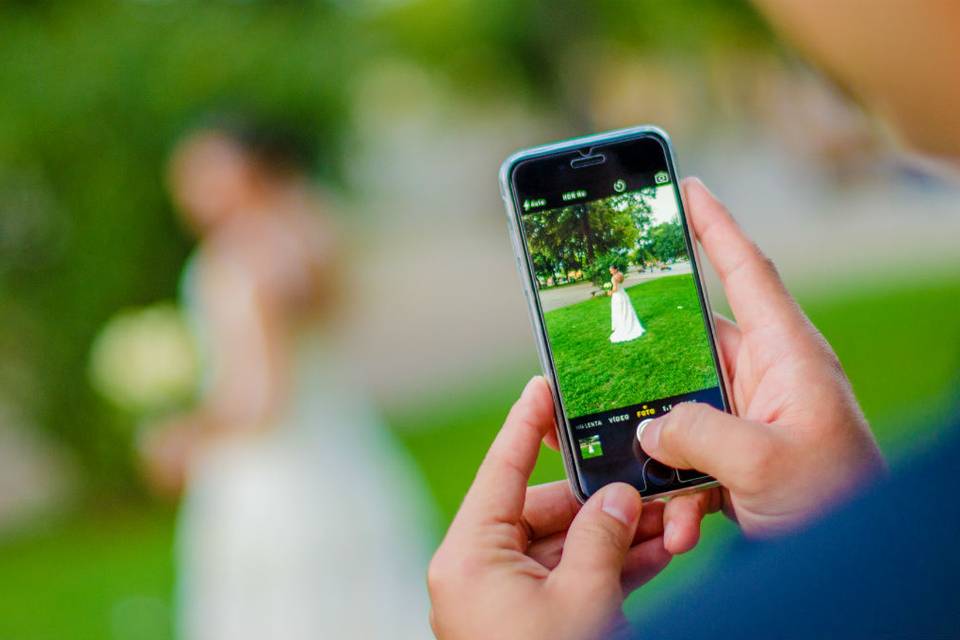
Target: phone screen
<point>621,305</point>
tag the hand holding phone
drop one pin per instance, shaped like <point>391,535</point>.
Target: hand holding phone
<point>619,309</point>
<point>531,562</point>
<point>800,443</point>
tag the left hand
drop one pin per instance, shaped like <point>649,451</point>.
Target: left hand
<point>523,562</point>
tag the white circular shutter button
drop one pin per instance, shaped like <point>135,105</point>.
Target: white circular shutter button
<point>643,425</point>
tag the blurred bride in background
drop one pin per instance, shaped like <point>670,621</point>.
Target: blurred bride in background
<point>301,518</point>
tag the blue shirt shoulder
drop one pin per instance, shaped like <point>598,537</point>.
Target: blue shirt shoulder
<point>886,565</point>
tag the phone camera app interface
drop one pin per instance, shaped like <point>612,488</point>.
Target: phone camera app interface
<point>622,314</point>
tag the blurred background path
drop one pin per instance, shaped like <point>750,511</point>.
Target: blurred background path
<point>554,298</point>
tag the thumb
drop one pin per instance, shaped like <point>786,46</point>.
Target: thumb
<point>698,436</point>
<point>598,540</point>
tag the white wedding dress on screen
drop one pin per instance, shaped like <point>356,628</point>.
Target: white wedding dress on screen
<point>623,318</point>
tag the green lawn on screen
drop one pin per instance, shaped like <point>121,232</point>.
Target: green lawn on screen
<point>671,358</point>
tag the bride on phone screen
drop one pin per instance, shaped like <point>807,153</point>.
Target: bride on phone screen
<point>625,325</point>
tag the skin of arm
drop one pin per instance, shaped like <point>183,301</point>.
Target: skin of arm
<point>246,378</point>
<point>247,344</point>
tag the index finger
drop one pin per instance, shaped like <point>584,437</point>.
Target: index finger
<point>754,289</point>
<point>499,488</point>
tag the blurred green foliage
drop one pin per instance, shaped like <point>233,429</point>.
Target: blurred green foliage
<point>96,93</point>
<point>527,45</point>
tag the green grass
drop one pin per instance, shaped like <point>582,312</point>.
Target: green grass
<point>110,576</point>
<point>102,575</point>
<point>901,351</point>
<point>671,358</point>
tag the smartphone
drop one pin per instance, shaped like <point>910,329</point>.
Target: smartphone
<point>620,313</point>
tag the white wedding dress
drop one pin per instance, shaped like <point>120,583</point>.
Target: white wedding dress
<point>623,318</point>
<point>315,527</point>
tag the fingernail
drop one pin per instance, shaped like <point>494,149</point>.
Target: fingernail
<point>650,435</point>
<point>669,532</point>
<point>622,502</point>
<point>530,385</point>
<point>697,181</point>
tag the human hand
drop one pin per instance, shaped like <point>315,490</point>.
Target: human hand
<point>800,442</point>
<point>163,451</point>
<point>523,562</point>
<point>167,448</point>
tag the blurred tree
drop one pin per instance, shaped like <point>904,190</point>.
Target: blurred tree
<point>542,50</point>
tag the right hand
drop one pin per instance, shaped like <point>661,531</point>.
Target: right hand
<point>799,442</point>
